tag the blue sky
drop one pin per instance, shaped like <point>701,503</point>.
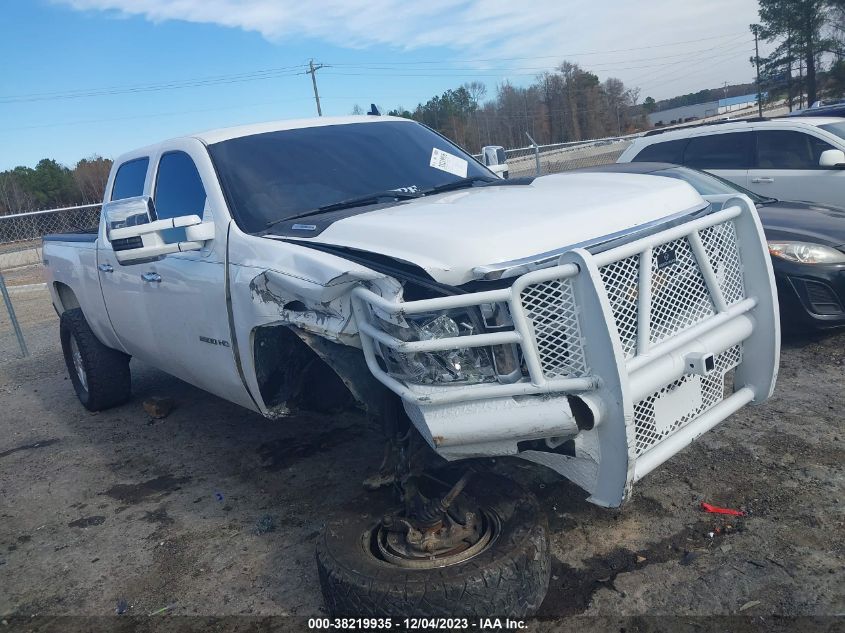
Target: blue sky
<point>126,56</point>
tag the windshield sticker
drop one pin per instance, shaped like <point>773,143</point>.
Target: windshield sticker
<point>444,161</point>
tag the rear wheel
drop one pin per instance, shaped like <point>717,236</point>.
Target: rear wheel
<point>99,374</point>
<point>499,566</point>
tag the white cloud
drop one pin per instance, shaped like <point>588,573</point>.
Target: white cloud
<point>492,28</point>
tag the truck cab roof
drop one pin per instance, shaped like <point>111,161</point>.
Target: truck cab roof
<point>210,137</point>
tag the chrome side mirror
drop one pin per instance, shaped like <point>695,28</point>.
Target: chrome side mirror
<point>135,235</point>
<point>120,214</point>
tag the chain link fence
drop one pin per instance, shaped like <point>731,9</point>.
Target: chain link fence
<point>541,160</point>
<point>28,323</point>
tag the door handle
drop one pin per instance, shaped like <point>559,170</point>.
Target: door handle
<point>105,268</point>
<point>765,180</point>
<point>151,277</point>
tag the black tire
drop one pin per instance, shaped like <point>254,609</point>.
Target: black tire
<point>106,370</point>
<point>510,578</point>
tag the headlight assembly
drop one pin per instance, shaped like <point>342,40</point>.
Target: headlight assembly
<point>806,253</point>
<point>467,365</point>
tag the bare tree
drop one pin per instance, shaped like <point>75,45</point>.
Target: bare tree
<point>91,175</point>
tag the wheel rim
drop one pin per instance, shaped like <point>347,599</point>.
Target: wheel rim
<point>76,357</point>
<point>388,547</point>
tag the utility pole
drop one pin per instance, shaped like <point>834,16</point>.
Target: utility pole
<point>801,83</point>
<point>789,72</point>
<point>312,70</point>
<point>756,29</point>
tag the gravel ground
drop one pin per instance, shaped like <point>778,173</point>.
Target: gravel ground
<point>214,510</point>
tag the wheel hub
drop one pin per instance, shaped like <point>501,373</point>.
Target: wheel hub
<point>76,356</point>
<point>450,542</point>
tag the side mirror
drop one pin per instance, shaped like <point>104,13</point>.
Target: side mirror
<point>128,212</point>
<point>135,236</point>
<point>832,159</point>
<point>493,155</point>
<point>495,159</point>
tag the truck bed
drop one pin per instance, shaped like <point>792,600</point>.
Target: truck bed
<point>80,236</point>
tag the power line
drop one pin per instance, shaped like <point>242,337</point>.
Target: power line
<point>723,58</point>
<point>498,73</point>
<point>560,55</point>
<point>725,55</point>
<point>156,87</point>
<point>154,115</point>
<point>612,65</point>
<point>271,73</point>
<point>725,48</point>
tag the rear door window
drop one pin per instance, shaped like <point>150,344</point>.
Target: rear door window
<point>179,191</point>
<point>129,180</point>
<point>665,152</point>
<point>784,149</point>
<point>730,150</point>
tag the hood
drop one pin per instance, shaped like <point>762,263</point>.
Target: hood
<point>450,234</point>
<point>803,221</point>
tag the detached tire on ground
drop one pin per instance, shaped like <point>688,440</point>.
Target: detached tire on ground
<point>509,578</point>
<point>100,374</point>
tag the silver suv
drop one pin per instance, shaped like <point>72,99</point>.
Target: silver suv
<point>791,159</point>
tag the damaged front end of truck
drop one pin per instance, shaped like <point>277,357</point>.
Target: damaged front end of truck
<point>600,363</point>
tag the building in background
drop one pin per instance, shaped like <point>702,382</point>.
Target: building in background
<point>732,104</point>
<point>683,114</point>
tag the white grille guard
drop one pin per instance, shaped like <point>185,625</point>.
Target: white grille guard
<point>614,377</point>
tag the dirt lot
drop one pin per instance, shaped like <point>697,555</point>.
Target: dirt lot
<point>35,313</point>
<point>215,510</point>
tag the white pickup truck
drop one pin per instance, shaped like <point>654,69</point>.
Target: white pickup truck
<point>586,322</point>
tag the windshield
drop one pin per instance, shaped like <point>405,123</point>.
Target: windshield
<point>277,175</point>
<point>708,184</point>
<point>835,128</point>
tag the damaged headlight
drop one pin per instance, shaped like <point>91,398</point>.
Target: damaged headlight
<point>468,365</point>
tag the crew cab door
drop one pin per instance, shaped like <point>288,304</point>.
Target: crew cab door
<point>182,296</point>
<point>122,287</point>
<point>786,166</point>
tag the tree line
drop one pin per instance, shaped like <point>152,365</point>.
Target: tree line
<point>809,53</point>
<point>569,104</point>
<point>50,185</point>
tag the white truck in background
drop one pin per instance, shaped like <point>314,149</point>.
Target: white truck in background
<point>586,322</point>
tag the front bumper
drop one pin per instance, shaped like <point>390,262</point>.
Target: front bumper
<point>625,334</point>
<point>812,296</point>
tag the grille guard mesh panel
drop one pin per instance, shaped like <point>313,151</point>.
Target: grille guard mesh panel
<point>620,281</point>
<point>551,309</point>
<point>712,392</point>
<point>679,294</point>
<point>720,244</point>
